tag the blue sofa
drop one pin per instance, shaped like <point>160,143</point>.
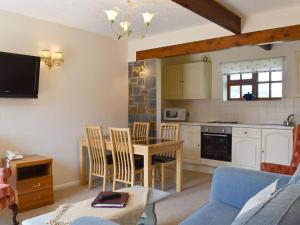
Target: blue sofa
<point>231,189</point>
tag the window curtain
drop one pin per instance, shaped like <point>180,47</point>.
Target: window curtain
<point>256,65</point>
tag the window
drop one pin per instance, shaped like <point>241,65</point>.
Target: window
<point>263,85</point>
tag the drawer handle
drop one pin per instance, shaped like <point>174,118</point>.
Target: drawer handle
<point>245,132</point>
<point>36,197</point>
<point>36,185</point>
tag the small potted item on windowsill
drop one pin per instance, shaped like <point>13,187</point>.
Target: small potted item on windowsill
<point>249,97</point>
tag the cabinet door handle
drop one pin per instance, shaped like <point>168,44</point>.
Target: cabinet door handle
<point>36,185</point>
<point>198,145</point>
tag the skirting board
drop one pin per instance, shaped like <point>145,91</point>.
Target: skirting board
<point>66,185</point>
<point>199,168</point>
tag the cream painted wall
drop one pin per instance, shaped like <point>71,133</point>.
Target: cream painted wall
<point>90,88</point>
<point>267,20</point>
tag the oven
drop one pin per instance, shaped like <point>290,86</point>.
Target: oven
<point>216,143</point>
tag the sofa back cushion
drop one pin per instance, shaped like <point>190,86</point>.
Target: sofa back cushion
<point>296,177</point>
<point>282,209</point>
<point>236,186</point>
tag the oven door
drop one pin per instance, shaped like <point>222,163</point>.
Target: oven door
<point>216,146</point>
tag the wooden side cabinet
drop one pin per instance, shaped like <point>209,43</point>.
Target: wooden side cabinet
<point>33,181</point>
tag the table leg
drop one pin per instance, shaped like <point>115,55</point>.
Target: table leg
<point>147,169</point>
<point>82,164</point>
<point>179,169</point>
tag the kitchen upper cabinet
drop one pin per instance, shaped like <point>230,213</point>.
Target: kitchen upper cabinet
<point>246,147</point>
<point>191,145</point>
<point>277,146</point>
<point>172,82</point>
<point>187,81</point>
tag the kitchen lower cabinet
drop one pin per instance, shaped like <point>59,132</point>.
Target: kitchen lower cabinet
<point>246,148</point>
<point>277,146</point>
<point>191,145</point>
<point>246,152</point>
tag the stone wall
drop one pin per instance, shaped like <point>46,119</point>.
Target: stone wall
<point>142,94</point>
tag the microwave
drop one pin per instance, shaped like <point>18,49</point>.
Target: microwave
<point>174,114</point>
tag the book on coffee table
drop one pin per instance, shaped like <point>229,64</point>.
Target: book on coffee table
<point>101,200</point>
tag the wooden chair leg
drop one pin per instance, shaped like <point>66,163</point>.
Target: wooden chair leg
<point>14,209</point>
<point>114,185</point>
<point>162,177</point>
<point>153,177</point>
<point>104,182</point>
<point>90,181</point>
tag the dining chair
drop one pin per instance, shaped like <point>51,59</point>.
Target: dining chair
<point>141,129</point>
<point>101,163</point>
<point>168,131</point>
<point>126,166</point>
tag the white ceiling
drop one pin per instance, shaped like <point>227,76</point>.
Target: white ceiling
<point>89,15</point>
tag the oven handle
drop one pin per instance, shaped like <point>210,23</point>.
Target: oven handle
<point>216,135</point>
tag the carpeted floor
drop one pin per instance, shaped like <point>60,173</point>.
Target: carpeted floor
<point>170,211</point>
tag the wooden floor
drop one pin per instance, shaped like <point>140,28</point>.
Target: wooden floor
<point>170,211</point>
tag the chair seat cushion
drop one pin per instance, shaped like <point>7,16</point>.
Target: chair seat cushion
<point>213,213</point>
<point>162,159</point>
<point>7,196</point>
<point>5,190</point>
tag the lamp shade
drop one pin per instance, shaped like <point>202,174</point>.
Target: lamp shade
<point>125,26</point>
<point>111,15</point>
<point>45,54</point>
<point>147,17</point>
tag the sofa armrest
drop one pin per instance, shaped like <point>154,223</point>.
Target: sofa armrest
<point>235,186</point>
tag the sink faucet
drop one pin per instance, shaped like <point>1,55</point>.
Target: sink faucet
<point>289,120</point>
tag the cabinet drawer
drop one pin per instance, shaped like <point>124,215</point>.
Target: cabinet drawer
<point>35,199</point>
<point>246,132</point>
<point>34,184</point>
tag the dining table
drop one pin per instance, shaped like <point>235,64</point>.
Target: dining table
<point>146,147</point>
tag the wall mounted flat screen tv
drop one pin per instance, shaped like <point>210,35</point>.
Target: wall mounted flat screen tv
<point>19,75</point>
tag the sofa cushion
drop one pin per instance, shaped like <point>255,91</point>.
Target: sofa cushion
<point>296,177</point>
<point>261,197</point>
<point>282,209</point>
<point>236,186</point>
<point>213,213</point>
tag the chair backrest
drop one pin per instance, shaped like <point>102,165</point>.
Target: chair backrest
<point>123,157</point>
<point>296,148</point>
<point>141,129</point>
<point>169,131</point>
<point>96,150</point>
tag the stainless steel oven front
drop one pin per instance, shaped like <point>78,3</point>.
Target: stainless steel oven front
<point>216,143</point>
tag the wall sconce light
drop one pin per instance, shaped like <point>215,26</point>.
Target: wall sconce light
<point>55,59</point>
<point>138,69</point>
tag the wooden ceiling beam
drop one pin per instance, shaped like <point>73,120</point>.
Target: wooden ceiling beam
<point>214,12</point>
<point>290,33</point>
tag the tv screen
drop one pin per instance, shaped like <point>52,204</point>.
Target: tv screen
<point>19,75</point>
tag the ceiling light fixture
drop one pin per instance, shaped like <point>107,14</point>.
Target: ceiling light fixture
<point>125,28</point>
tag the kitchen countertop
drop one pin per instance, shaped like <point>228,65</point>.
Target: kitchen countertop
<point>248,125</point>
